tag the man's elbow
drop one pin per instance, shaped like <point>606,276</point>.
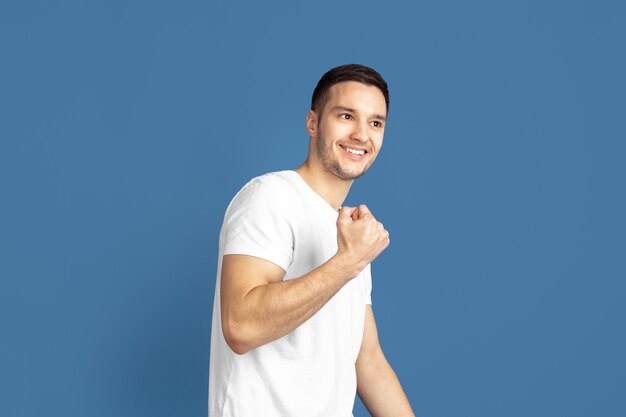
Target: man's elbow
<point>236,338</point>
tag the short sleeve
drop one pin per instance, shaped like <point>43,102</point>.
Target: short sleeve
<point>258,223</point>
<point>368,283</point>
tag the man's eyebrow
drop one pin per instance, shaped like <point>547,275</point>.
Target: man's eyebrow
<point>351,110</point>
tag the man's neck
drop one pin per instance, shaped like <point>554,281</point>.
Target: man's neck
<point>329,186</point>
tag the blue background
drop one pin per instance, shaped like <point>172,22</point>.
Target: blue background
<point>127,126</point>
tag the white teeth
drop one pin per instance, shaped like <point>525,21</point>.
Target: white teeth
<point>354,151</point>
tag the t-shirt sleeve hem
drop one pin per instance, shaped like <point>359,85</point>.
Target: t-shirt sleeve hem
<point>280,260</point>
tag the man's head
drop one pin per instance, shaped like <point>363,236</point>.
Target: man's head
<point>347,120</point>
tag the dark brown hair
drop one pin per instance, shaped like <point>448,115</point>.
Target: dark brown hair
<point>348,72</point>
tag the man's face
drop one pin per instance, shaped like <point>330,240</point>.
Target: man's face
<point>350,129</point>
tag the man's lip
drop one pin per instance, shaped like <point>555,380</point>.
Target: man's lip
<point>354,147</point>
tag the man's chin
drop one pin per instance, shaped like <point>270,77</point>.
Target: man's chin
<point>349,175</point>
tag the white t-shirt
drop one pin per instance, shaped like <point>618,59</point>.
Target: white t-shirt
<point>309,372</point>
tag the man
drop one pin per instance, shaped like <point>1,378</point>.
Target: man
<point>293,328</point>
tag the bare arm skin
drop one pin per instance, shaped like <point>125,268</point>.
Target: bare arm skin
<point>377,384</point>
<point>258,307</point>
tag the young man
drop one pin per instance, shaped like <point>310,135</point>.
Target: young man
<point>293,329</point>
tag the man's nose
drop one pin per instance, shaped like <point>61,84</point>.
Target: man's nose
<point>361,132</point>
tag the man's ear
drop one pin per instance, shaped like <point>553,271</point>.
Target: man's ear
<point>311,123</point>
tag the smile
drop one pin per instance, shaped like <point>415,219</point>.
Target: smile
<point>359,152</point>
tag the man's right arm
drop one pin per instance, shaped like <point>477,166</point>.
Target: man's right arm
<point>258,307</point>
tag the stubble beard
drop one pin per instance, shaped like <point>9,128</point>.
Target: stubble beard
<point>329,162</point>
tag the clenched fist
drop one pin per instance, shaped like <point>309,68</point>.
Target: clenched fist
<point>360,237</point>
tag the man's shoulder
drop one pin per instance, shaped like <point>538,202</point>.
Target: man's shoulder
<point>269,183</point>
<point>270,189</point>
<point>272,179</point>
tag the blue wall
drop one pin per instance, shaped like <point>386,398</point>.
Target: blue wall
<point>127,126</point>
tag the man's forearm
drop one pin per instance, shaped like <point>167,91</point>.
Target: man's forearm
<point>380,390</point>
<point>270,311</point>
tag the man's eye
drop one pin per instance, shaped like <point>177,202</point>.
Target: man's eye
<point>376,124</point>
<point>345,116</point>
